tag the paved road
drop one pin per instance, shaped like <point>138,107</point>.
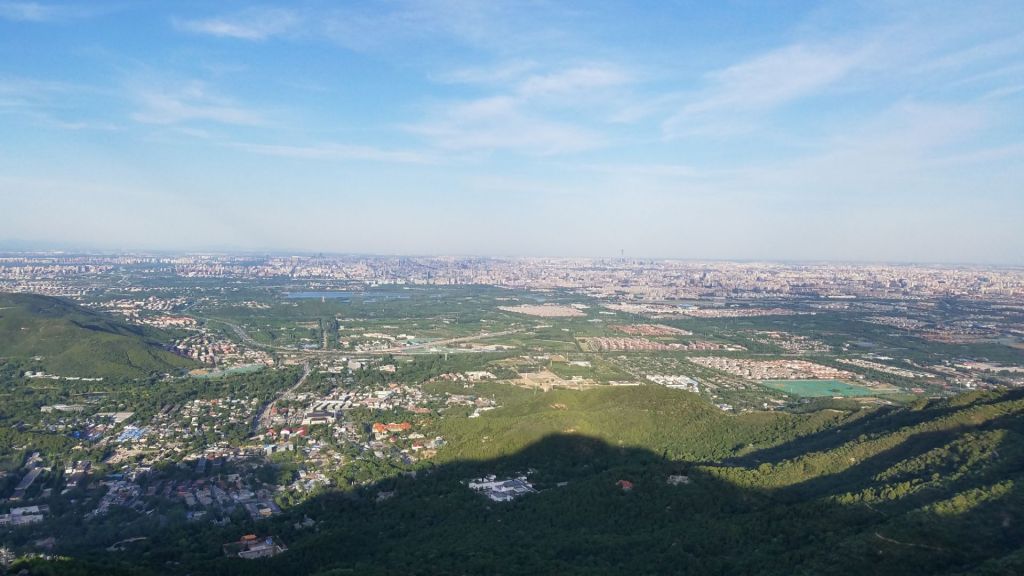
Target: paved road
<point>396,350</point>
<point>241,334</point>
<point>263,420</point>
<point>479,336</point>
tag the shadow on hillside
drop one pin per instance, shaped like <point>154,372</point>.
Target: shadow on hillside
<point>583,522</point>
<point>880,420</point>
<point>919,445</point>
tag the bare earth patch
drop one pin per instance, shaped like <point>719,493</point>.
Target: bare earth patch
<point>544,310</point>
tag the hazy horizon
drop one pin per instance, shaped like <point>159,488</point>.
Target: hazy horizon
<point>888,132</point>
<point>14,250</point>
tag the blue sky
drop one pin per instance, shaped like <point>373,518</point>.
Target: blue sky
<point>885,131</point>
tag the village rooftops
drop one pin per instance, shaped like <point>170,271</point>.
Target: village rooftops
<point>501,490</point>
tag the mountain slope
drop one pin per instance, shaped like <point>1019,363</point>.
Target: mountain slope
<point>75,341</point>
<point>935,488</point>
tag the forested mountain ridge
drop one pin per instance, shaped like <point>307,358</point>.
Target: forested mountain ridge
<point>935,488</point>
<point>71,340</point>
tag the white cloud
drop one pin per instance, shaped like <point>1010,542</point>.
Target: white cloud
<point>24,90</point>
<point>643,170</point>
<point>501,73</point>
<point>514,132</point>
<point>527,112</point>
<point>764,82</point>
<point>343,152</point>
<point>38,12</point>
<point>191,102</point>
<point>252,24</point>
<point>51,104</point>
<point>573,81</point>
<point>503,123</point>
<point>906,151</point>
<point>27,11</point>
<point>400,26</point>
<point>776,78</point>
<point>1009,46</point>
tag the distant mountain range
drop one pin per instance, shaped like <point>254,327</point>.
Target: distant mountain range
<point>74,341</point>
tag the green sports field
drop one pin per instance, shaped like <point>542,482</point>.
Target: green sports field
<point>246,369</point>
<point>813,388</point>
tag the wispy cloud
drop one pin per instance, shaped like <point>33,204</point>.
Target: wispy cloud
<point>527,112</point>
<point>399,25</point>
<point>27,11</point>
<point>251,24</point>
<point>23,90</point>
<point>775,78</point>
<point>393,27</point>
<point>333,151</point>
<point>764,82</point>
<point>648,170</point>
<point>193,101</point>
<point>467,128</point>
<point>526,79</point>
<point>904,151</point>
<point>49,120</point>
<point>500,73</point>
<point>39,12</point>
<point>1009,46</point>
<point>877,110</point>
<point>51,104</point>
<point>573,80</point>
<point>503,123</point>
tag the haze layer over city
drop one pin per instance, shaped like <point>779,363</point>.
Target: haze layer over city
<point>495,287</point>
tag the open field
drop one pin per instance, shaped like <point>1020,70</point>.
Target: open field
<point>544,310</point>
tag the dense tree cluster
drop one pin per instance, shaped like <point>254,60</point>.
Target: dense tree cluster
<point>929,489</point>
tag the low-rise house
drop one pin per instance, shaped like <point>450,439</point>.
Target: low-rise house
<point>250,547</point>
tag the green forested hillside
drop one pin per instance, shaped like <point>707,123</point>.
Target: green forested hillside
<point>74,341</point>
<point>934,488</point>
<point>672,423</point>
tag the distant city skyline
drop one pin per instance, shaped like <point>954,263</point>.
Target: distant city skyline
<point>31,250</point>
<point>832,131</point>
